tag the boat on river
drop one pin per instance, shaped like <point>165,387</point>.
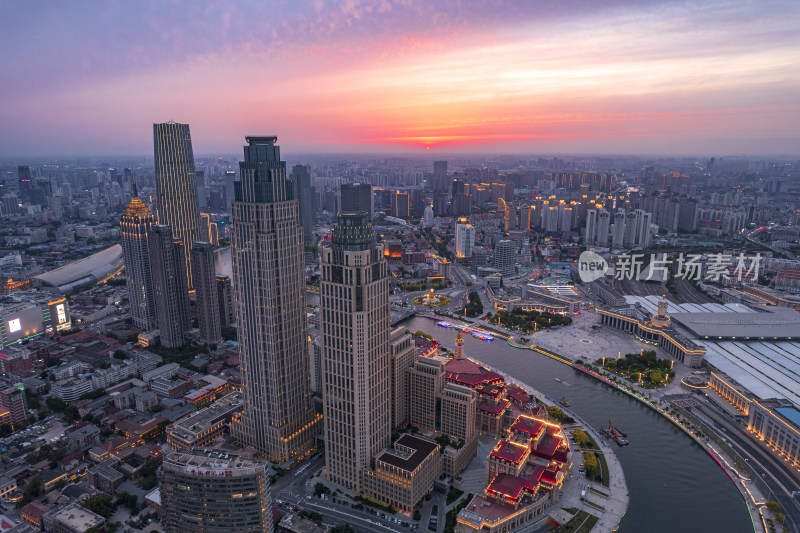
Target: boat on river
<point>615,434</point>
<point>564,401</point>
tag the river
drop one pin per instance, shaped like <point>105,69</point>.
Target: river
<point>675,486</point>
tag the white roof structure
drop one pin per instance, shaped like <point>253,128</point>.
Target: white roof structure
<point>767,369</point>
<point>84,272</point>
<point>650,303</point>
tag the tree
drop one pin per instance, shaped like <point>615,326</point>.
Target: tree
<point>100,504</point>
<point>775,507</point>
<point>555,413</point>
<point>320,489</point>
<point>590,462</point>
<point>656,377</point>
<point>779,517</point>
<point>6,430</point>
<point>417,514</point>
<point>581,437</point>
<point>344,528</point>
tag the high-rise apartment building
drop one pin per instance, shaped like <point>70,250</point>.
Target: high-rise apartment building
<point>465,238</point>
<point>402,353</point>
<point>302,191</point>
<point>135,235</point>
<point>205,287</point>
<point>504,257</point>
<point>13,398</point>
<point>618,236</point>
<point>603,224</point>
<point>176,186</point>
<point>591,227</point>
<point>354,321</point>
<point>215,492</point>
<point>357,197</point>
<point>428,219</point>
<point>269,288</point>
<point>167,260</point>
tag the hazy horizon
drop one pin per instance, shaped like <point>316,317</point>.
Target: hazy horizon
<point>374,76</point>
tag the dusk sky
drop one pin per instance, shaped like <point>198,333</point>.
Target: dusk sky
<point>523,76</point>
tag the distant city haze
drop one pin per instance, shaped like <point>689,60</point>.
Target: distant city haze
<point>622,76</point>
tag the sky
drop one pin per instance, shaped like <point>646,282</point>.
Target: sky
<point>411,76</point>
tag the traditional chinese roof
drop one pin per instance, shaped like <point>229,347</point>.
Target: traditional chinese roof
<point>509,451</point>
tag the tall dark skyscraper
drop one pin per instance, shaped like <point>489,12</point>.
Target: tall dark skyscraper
<point>25,182</point>
<point>205,290</point>
<point>169,285</point>
<point>357,197</point>
<point>440,175</point>
<point>354,312</point>
<point>135,230</point>
<point>269,287</point>
<point>302,191</point>
<point>176,186</point>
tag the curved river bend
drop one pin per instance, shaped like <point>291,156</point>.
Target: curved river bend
<point>675,486</point>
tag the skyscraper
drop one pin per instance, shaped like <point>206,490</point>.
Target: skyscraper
<point>465,238</point>
<point>591,227</point>
<point>227,313</point>
<point>25,182</point>
<point>135,234</point>
<point>302,191</point>
<point>215,492</point>
<point>269,287</point>
<point>400,204</point>
<point>354,304</point>
<point>504,254</point>
<point>357,197</point>
<point>169,286</point>
<point>603,224</point>
<point>205,285</point>
<point>440,175</point>
<point>176,186</point>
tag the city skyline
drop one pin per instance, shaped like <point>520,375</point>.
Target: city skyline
<point>618,77</point>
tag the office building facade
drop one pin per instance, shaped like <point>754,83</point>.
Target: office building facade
<point>135,230</point>
<point>354,321</point>
<point>302,191</point>
<point>176,186</point>
<point>269,288</point>
<point>205,285</point>
<point>167,259</point>
<point>357,197</point>
<point>214,492</point>
<point>504,257</point>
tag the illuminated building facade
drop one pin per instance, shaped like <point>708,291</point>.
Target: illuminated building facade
<point>135,233</point>
<point>405,473</point>
<point>176,186</point>
<point>205,285</point>
<point>214,492</point>
<point>169,286</point>
<point>13,398</point>
<point>354,322</point>
<point>525,474</point>
<point>465,238</point>
<point>269,287</point>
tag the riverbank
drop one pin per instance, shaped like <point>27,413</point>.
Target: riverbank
<point>748,491</point>
<point>615,504</point>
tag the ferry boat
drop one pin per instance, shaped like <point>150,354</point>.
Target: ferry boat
<point>613,433</point>
<point>563,401</point>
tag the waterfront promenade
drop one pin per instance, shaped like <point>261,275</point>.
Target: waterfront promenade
<point>616,504</point>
